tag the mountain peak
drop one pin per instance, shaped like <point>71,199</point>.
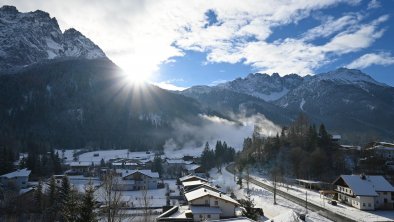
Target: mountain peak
<point>348,76</point>
<point>33,37</point>
<point>9,9</point>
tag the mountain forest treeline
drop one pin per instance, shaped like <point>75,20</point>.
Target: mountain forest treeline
<point>302,151</point>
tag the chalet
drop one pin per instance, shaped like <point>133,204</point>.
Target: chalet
<point>365,192</point>
<point>203,205</point>
<point>18,178</point>
<point>137,180</point>
<point>210,198</point>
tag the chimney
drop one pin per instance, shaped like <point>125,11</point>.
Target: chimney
<point>205,190</point>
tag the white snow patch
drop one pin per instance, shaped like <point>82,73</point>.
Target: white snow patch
<point>302,104</point>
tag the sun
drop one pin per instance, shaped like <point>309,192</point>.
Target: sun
<point>136,72</point>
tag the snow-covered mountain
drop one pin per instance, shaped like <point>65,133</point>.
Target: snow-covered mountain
<point>347,100</point>
<point>32,37</point>
<point>264,86</point>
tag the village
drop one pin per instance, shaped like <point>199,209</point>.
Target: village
<point>181,189</point>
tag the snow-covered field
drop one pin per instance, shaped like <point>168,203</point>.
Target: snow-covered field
<point>155,198</point>
<point>350,212</point>
<point>96,156</point>
<point>262,198</point>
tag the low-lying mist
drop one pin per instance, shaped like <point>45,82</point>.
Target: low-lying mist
<point>190,139</point>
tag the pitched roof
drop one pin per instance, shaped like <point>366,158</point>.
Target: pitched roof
<point>368,186</point>
<point>192,167</point>
<point>19,173</point>
<point>192,183</point>
<point>148,173</point>
<point>202,192</point>
<point>191,178</point>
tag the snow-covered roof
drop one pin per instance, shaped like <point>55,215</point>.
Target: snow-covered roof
<point>236,219</point>
<point>368,186</point>
<point>178,161</point>
<point>199,193</point>
<point>192,167</point>
<point>148,173</point>
<point>206,186</point>
<point>19,173</point>
<point>175,213</point>
<point>336,137</point>
<point>80,164</point>
<point>192,177</point>
<point>124,164</point>
<point>192,183</point>
<point>205,210</point>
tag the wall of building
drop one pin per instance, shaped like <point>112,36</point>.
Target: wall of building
<point>204,217</point>
<point>228,208</point>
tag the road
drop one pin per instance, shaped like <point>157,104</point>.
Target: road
<point>322,211</point>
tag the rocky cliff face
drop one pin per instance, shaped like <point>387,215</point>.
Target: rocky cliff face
<point>33,37</point>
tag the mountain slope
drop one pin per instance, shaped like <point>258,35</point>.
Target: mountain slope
<point>346,100</point>
<point>28,38</point>
<point>87,102</point>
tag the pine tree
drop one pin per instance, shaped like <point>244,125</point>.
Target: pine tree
<point>87,213</point>
<point>38,197</point>
<point>157,165</point>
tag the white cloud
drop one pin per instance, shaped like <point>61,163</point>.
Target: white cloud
<point>169,86</point>
<point>140,35</point>
<point>384,59</point>
<point>374,4</point>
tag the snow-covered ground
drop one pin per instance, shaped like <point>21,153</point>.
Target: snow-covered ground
<point>262,198</point>
<point>96,156</point>
<point>155,198</point>
<point>341,209</point>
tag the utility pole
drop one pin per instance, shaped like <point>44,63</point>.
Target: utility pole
<point>306,202</point>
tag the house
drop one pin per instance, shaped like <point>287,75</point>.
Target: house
<point>80,167</point>
<point>194,169</point>
<point>188,178</point>
<point>18,178</point>
<point>174,167</point>
<point>383,150</point>
<point>209,198</point>
<point>137,180</point>
<point>365,192</point>
<point>203,205</point>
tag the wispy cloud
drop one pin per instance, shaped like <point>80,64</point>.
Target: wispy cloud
<point>374,4</point>
<point>384,59</point>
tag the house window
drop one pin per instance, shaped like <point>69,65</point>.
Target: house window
<point>363,204</point>
<point>206,202</point>
<point>216,202</point>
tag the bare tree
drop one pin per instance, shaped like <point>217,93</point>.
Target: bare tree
<point>146,204</point>
<point>111,196</point>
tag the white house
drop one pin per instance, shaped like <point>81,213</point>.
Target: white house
<point>17,178</point>
<point>365,192</point>
<point>137,180</point>
<point>203,205</point>
<point>209,198</point>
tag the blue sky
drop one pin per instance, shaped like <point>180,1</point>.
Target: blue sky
<point>177,44</point>
<point>194,69</point>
